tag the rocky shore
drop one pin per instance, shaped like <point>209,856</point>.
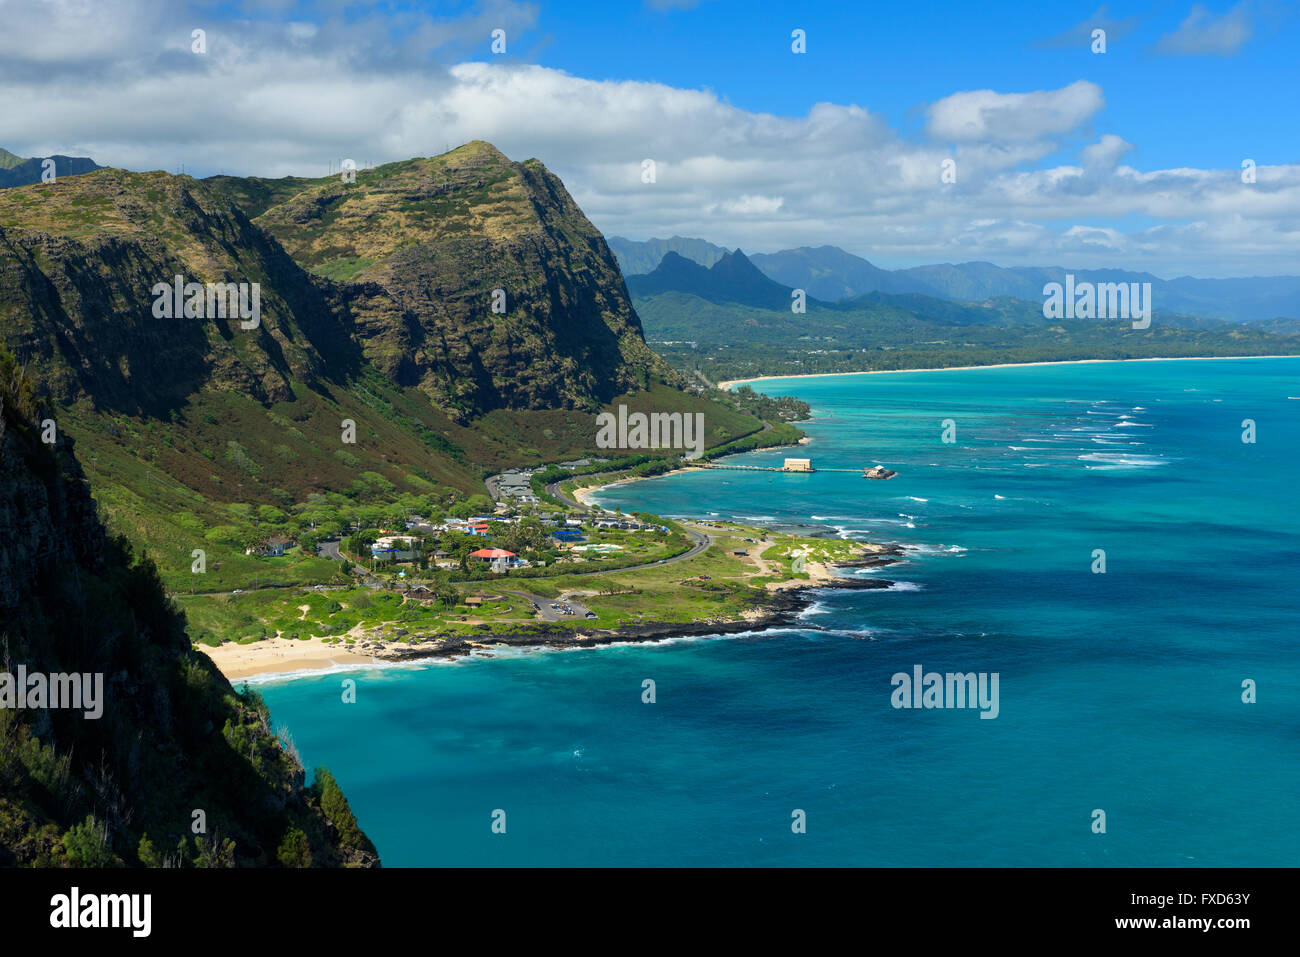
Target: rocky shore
<point>776,605</point>
<point>773,610</point>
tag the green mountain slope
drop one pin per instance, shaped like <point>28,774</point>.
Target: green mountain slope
<point>420,247</point>
<point>173,746</point>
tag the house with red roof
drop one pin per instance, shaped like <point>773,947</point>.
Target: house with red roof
<point>498,558</point>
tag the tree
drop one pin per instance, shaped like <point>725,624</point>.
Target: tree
<point>87,845</point>
<point>295,849</point>
<point>335,807</point>
<point>149,855</point>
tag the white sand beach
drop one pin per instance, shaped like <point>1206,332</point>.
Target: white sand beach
<point>1004,365</point>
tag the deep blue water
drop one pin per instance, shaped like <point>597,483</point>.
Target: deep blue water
<point>1118,691</point>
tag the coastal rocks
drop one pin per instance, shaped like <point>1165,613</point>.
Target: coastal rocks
<point>773,610</point>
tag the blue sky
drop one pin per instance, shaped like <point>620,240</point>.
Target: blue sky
<point>1063,156</point>
<point>893,57</point>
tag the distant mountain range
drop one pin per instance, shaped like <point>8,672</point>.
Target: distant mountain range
<point>18,171</point>
<point>636,258</point>
<point>831,274</point>
<point>732,278</point>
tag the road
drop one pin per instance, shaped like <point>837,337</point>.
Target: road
<point>702,541</point>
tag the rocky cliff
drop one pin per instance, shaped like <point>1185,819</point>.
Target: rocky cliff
<point>399,271</point>
<point>476,280</point>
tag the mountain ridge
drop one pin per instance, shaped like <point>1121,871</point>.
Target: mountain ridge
<point>831,274</point>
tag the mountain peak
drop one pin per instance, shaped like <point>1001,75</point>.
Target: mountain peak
<point>733,278</point>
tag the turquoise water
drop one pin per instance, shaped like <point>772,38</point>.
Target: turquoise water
<point>1118,691</point>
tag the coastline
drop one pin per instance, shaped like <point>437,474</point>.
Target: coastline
<point>580,495</point>
<point>780,605</point>
<point>731,383</point>
<point>279,655</point>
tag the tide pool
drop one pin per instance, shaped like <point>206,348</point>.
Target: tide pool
<point>1119,691</point>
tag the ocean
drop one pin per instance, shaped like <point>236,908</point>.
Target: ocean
<point>1119,691</point>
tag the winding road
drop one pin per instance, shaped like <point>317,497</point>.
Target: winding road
<point>701,540</point>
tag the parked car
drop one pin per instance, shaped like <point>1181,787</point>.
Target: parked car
<point>590,614</point>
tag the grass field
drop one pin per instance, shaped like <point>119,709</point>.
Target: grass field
<point>714,585</point>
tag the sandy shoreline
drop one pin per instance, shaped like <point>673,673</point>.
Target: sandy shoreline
<point>279,656</point>
<point>295,657</point>
<point>581,494</point>
<point>1002,365</point>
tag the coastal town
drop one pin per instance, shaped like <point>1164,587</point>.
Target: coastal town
<point>559,572</point>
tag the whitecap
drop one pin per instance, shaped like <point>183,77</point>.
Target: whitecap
<point>1120,460</point>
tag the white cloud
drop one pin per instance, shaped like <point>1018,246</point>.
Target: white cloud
<point>753,205</point>
<point>987,116</point>
<point>271,100</point>
<point>1106,152</point>
<point>1080,35</point>
<point>1203,34</point>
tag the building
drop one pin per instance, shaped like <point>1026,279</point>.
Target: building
<point>567,535</point>
<point>797,465</point>
<point>272,548</point>
<point>393,548</point>
<point>498,558</point>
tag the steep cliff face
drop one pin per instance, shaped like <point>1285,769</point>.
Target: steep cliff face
<point>399,271</point>
<point>172,739</point>
<point>79,261</point>
<point>421,249</point>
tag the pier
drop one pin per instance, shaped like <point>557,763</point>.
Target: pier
<point>799,466</point>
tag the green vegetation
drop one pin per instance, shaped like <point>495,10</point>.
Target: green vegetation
<point>174,737</point>
<point>722,341</point>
